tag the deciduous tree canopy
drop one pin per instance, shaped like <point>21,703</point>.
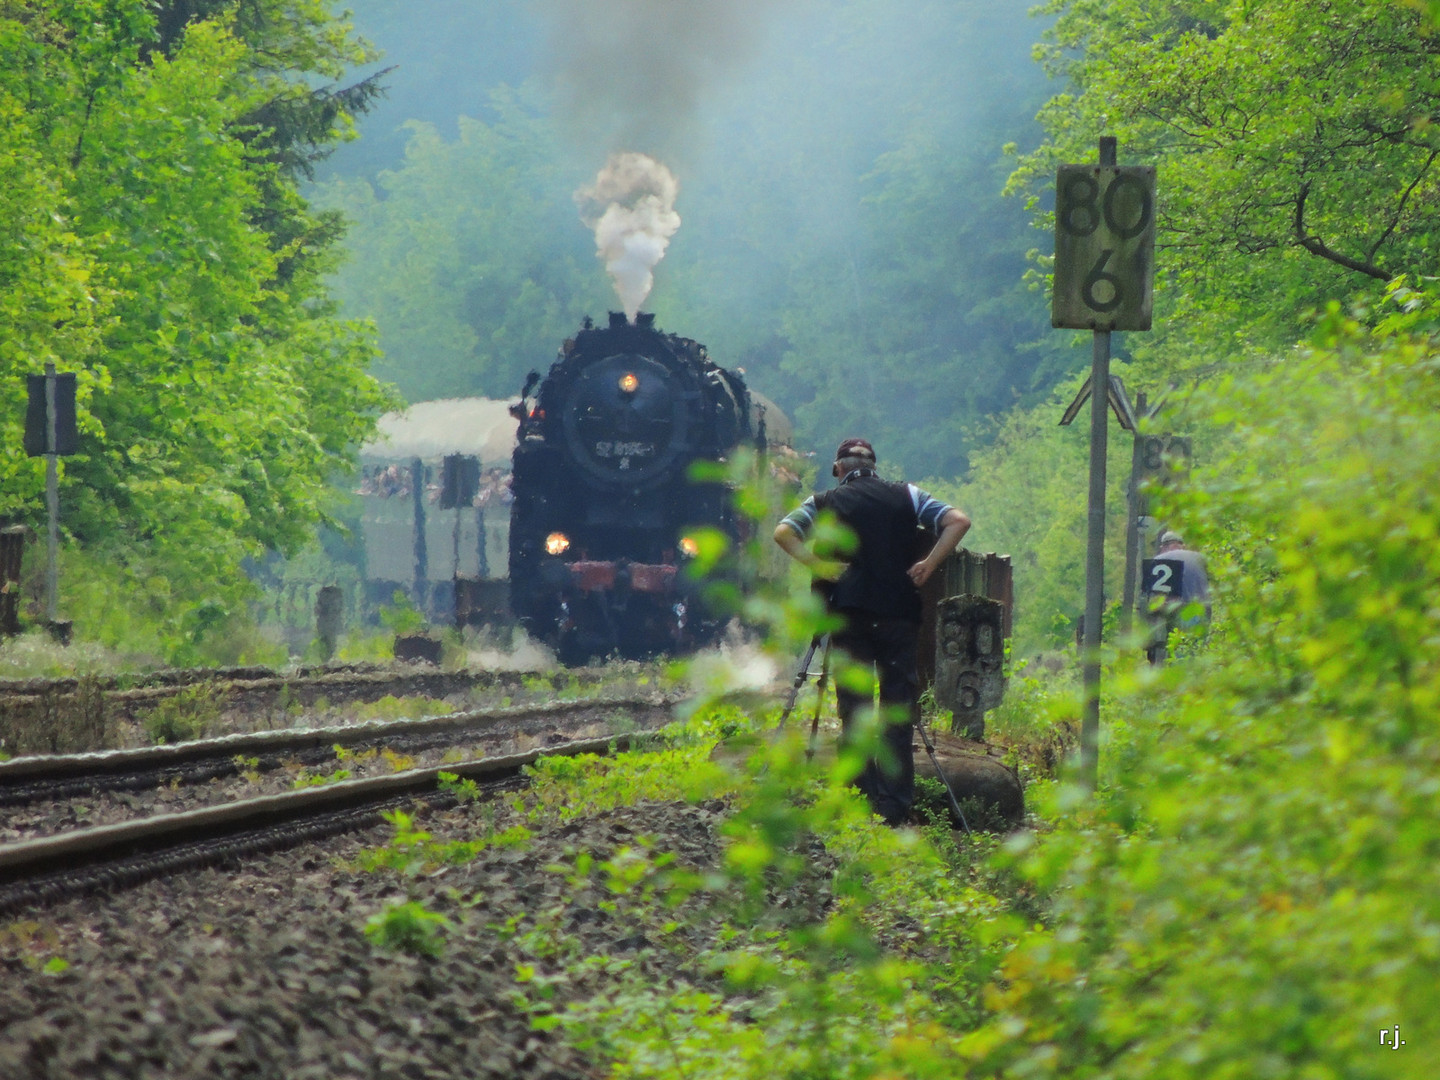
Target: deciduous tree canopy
<point>157,244</point>
<point>1296,142</point>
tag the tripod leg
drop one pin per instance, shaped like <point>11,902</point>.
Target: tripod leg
<point>820,701</point>
<point>800,677</point>
<point>935,760</point>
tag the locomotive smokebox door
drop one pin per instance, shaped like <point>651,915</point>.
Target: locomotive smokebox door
<point>970,660</point>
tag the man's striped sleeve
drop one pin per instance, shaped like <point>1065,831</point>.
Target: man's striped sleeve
<point>928,508</point>
<point>802,518</point>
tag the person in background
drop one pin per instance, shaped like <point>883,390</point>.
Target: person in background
<point>878,594</point>
<point>1177,612</point>
<point>1194,582</point>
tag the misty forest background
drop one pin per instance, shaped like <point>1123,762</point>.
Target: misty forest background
<point>253,226</point>
<point>844,235</point>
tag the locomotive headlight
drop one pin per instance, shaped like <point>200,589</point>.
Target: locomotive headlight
<point>688,547</point>
<point>629,383</point>
<point>557,543</point>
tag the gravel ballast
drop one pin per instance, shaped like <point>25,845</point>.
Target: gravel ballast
<point>265,970</point>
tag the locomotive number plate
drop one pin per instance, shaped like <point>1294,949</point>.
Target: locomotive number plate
<point>624,449</point>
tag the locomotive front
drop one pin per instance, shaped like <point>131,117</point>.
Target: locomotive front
<point>604,508</point>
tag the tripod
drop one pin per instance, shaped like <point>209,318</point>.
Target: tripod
<point>804,673</point>
<point>800,676</point>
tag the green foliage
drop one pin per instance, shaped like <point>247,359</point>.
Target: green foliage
<point>1038,721</point>
<point>464,790</point>
<point>1295,145</point>
<point>412,851</point>
<point>164,254</point>
<point>488,286</point>
<point>1251,894</point>
<point>143,608</point>
<point>190,713</point>
<point>320,779</point>
<point>401,616</point>
<point>390,707</point>
<point>248,768</point>
<point>408,928</point>
<point>35,653</point>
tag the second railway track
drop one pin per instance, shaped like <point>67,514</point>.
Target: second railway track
<point>29,780</point>
<point>74,824</point>
<point>50,868</point>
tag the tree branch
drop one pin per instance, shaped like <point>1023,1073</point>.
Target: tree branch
<point>78,153</point>
<point>1400,206</point>
<point>1316,246</point>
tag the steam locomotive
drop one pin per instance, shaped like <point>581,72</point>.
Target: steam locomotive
<point>605,512</point>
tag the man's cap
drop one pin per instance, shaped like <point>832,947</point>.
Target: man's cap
<point>1171,538</point>
<point>859,448</point>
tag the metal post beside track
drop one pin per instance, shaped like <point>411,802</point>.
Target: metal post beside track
<point>1104,272</point>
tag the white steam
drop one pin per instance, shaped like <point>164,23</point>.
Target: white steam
<point>631,208</point>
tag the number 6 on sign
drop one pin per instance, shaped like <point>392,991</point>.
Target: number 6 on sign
<point>1104,247</point>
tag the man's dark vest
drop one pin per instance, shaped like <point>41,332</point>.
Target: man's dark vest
<point>882,516</point>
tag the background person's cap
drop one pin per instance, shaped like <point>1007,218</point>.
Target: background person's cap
<point>1171,538</point>
<point>855,448</point>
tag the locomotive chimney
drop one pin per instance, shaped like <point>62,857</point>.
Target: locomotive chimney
<point>617,320</point>
<point>645,319</point>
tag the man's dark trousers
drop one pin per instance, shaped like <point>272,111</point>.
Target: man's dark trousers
<point>891,645</point>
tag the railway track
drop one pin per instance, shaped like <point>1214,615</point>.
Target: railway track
<point>27,780</point>
<point>43,868</point>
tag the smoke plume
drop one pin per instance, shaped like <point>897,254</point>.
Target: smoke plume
<point>631,208</point>
<point>634,72</point>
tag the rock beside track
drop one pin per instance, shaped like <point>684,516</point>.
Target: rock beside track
<point>975,773</point>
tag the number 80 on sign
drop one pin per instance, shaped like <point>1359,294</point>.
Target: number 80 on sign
<point>1104,247</point>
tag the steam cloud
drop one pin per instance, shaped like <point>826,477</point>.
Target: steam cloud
<point>634,72</point>
<point>631,208</point>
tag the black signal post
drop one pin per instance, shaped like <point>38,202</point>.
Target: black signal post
<point>1104,274</point>
<point>50,430</point>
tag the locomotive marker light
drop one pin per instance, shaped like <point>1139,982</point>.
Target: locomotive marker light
<point>1104,276</point>
<point>629,383</point>
<point>688,547</point>
<point>557,543</point>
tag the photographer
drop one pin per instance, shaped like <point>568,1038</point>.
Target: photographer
<point>878,594</point>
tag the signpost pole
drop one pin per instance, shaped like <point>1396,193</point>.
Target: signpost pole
<point>52,499</point>
<point>1095,536</point>
<point>1104,270</point>
<point>1132,521</point>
